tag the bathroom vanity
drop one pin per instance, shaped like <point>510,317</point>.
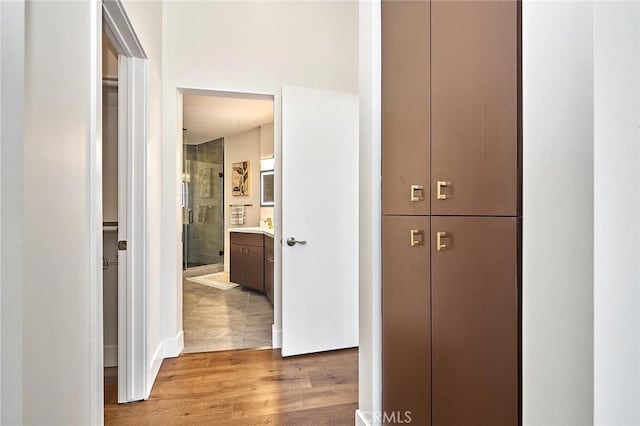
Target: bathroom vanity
<point>252,259</point>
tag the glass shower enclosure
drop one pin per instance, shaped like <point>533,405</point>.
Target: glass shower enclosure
<point>203,204</point>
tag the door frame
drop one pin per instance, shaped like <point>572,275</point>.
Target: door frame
<point>132,216</point>
<point>276,335</point>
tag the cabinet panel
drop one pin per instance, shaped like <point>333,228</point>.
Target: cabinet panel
<point>236,264</point>
<point>405,317</point>
<point>405,106</point>
<point>268,243</point>
<point>474,321</point>
<point>474,146</point>
<point>254,272</point>
<point>247,239</point>
<point>268,273</point>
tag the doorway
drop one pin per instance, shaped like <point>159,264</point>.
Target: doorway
<point>315,280</point>
<point>124,219</point>
<point>110,214</point>
<point>227,222</point>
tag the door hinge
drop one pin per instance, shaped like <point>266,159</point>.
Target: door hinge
<point>122,245</point>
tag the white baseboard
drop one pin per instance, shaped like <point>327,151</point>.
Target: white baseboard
<point>169,348</point>
<point>111,356</point>
<point>154,368</point>
<point>276,337</point>
<point>361,419</point>
<point>173,346</point>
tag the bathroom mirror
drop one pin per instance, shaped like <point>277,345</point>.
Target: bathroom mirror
<point>266,188</point>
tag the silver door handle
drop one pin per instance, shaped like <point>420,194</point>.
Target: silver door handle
<point>292,242</point>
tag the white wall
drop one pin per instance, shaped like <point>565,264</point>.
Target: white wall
<point>62,144</point>
<point>109,58</point>
<point>11,208</point>
<point>370,354</point>
<point>146,18</point>
<point>109,134</point>
<point>241,147</point>
<point>253,47</point>
<point>267,151</point>
<point>558,213</point>
<point>617,213</point>
<point>62,357</point>
<point>267,148</point>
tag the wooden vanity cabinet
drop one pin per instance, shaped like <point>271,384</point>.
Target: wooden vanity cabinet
<point>251,262</point>
<point>269,261</point>
<point>246,262</point>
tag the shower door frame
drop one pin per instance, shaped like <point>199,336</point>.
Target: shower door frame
<point>188,206</point>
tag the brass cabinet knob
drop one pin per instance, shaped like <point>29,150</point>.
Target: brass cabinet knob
<point>439,244</point>
<point>439,185</point>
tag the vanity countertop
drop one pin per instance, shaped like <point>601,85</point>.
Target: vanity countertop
<point>254,230</point>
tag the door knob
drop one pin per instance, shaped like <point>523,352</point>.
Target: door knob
<point>439,185</point>
<point>292,242</point>
<point>439,245</point>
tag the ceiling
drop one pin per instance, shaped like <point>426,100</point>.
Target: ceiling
<point>212,117</point>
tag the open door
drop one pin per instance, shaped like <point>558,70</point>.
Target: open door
<point>319,220</point>
<point>132,355</point>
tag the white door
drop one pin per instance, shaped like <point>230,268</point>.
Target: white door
<point>132,234</point>
<point>319,209</point>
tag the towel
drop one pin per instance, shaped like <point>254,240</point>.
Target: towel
<point>238,215</point>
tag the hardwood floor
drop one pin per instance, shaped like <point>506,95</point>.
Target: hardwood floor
<point>247,387</point>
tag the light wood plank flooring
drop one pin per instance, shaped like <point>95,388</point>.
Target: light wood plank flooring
<point>246,387</point>
<point>217,320</point>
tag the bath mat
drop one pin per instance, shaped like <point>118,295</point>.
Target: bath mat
<point>219,280</point>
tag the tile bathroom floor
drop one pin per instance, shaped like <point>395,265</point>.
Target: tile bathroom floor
<point>216,320</point>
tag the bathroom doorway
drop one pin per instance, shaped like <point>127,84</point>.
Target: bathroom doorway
<point>227,221</point>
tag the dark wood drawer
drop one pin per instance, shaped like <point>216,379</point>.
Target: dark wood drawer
<point>268,243</point>
<point>247,239</point>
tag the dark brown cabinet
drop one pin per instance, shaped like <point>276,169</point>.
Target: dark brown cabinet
<point>254,268</point>
<point>406,300</point>
<point>474,320</point>
<point>246,262</point>
<point>451,225</point>
<point>474,108</point>
<point>405,107</point>
<point>268,267</point>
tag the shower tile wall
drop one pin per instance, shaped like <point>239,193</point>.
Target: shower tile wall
<point>205,234</point>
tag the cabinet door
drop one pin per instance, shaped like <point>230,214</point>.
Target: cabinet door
<point>474,89</point>
<point>254,268</point>
<point>405,107</point>
<point>237,264</point>
<point>474,321</point>
<point>268,274</point>
<point>406,347</point>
